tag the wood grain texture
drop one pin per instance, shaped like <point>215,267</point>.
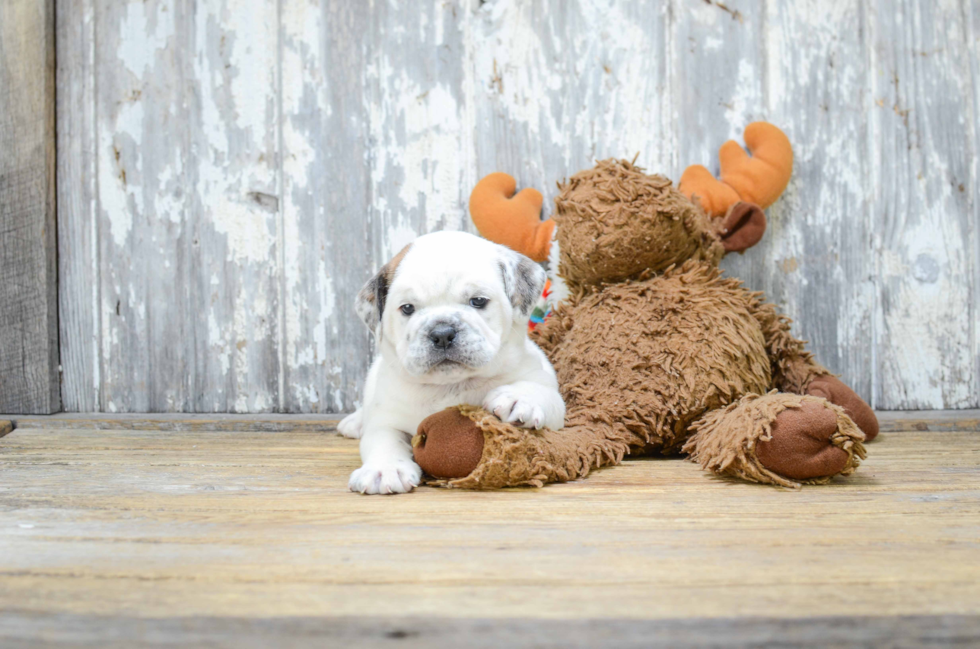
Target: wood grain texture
<point>36,631</point>
<point>557,86</point>
<point>890,421</point>
<point>183,422</point>
<point>174,309</point>
<point>936,420</point>
<point>78,222</point>
<point>104,528</point>
<point>814,262</point>
<point>273,164</point>
<point>971,20</point>
<point>372,156</point>
<point>29,380</point>
<point>925,191</point>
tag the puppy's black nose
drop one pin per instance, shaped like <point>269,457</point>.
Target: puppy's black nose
<point>442,336</point>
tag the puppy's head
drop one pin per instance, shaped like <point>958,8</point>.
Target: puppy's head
<point>448,303</point>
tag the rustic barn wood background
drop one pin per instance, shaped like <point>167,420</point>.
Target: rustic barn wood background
<point>230,172</point>
<point>28,256</point>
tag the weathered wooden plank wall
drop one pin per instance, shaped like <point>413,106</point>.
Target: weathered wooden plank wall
<point>925,194</point>
<point>29,381</point>
<point>232,172</point>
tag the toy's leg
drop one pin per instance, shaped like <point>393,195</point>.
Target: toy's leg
<point>833,390</point>
<point>468,447</point>
<point>778,438</point>
<point>795,370</point>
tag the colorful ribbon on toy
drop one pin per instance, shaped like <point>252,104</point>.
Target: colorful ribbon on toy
<point>542,308</point>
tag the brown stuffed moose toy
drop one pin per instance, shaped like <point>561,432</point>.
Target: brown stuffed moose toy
<point>655,350</point>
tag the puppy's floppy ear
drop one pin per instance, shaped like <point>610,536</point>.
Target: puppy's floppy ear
<point>370,302</point>
<point>523,281</point>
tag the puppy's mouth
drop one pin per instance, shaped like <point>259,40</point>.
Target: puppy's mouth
<point>453,361</point>
<point>449,362</point>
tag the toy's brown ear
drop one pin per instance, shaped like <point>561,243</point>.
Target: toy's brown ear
<point>743,227</point>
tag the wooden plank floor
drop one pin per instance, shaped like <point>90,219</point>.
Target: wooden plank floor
<point>218,537</point>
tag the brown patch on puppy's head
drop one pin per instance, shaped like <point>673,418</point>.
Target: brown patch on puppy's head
<point>370,303</point>
<point>615,222</point>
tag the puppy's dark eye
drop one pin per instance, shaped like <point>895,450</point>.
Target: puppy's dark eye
<point>478,302</point>
<point>407,309</point>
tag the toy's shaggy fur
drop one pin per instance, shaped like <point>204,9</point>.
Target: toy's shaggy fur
<point>516,457</point>
<point>725,441</point>
<point>656,352</point>
<point>614,222</point>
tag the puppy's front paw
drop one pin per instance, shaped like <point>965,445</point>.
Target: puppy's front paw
<point>387,477</point>
<point>514,409</point>
<point>350,426</point>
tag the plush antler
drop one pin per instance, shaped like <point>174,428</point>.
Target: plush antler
<point>759,179</point>
<point>512,221</point>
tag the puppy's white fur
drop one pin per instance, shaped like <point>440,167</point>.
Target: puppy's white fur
<point>490,362</point>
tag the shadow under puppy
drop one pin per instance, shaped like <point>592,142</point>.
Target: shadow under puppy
<point>449,314</point>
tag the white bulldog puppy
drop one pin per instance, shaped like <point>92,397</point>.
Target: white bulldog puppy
<point>449,314</point>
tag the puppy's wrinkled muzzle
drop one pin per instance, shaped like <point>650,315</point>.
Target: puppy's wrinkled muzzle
<point>445,347</point>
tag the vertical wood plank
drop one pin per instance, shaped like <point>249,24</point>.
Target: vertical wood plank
<point>188,205</point>
<point>821,268</point>
<point>718,68</point>
<point>373,157</point>
<point>234,270</point>
<point>326,198</point>
<point>419,155</point>
<point>78,234</point>
<point>29,380</point>
<point>971,13</point>
<point>559,85</point>
<point>799,65</point>
<point>923,148</point>
<point>140,136</point>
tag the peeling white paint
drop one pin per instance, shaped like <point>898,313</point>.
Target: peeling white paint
<point>224,189</point>
<point>142,37</point>
<point>269,199</point>
<point>400,236</point>
<point>746,99</point>
<point>119,165</point>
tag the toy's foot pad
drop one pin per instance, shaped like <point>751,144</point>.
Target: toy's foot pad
<point>448,445</point>
<point>801,446</point>
<point>836,392</point>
